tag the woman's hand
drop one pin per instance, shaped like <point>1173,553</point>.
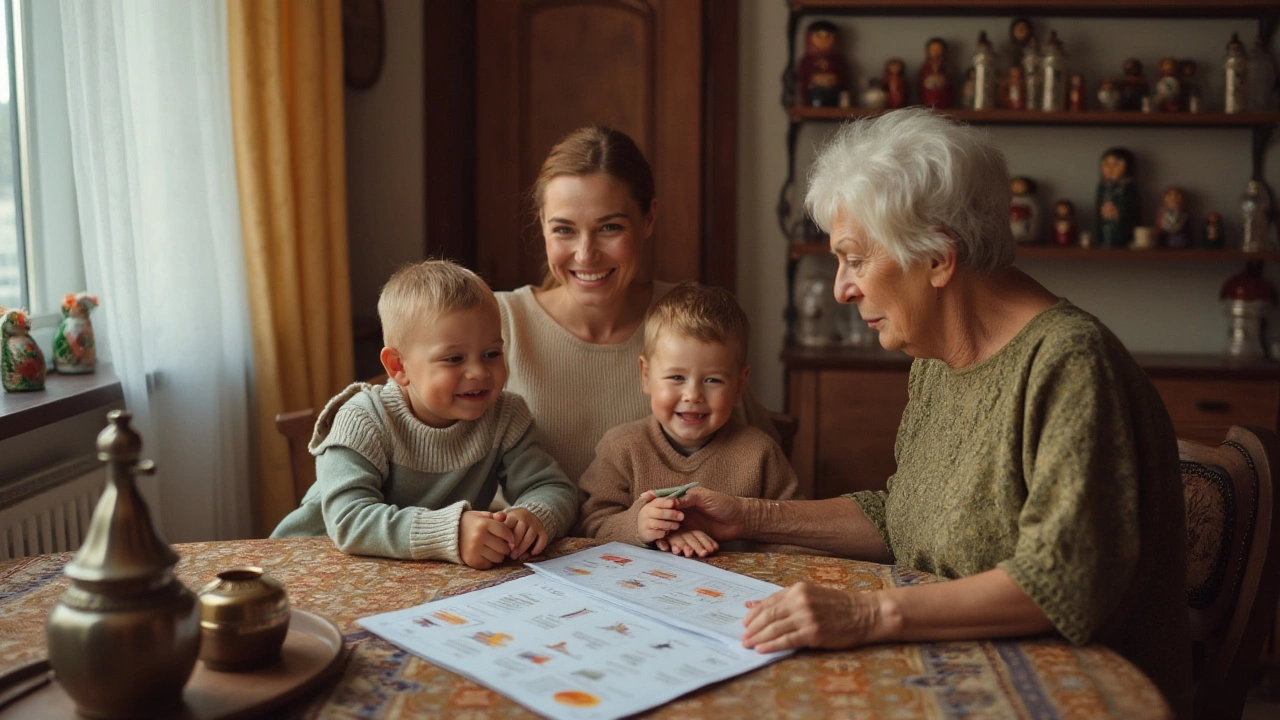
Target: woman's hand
<point>720,516</point>
<point>805,615</point>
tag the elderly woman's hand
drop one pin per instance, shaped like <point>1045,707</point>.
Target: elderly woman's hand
<point>805,615</point>
<point>720,516</point>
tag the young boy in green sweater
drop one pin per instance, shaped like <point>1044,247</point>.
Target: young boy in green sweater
<point>694,370</point>
<point>400,466</point>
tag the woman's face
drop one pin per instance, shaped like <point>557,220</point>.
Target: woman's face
<point>895,303</point>
<point>595,233</point>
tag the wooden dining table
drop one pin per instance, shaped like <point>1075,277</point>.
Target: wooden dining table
<point>1025,678</point>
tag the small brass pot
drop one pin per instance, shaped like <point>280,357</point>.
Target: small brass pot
<point>244,617</point>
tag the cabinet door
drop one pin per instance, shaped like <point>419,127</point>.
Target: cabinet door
<point>545,68</point>
<point>1203,410</point>
<point>858,419</point>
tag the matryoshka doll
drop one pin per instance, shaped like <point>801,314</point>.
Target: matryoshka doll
<point>823,73</point>
<point>1064,223</point>
<point>895,83</point>
<point>21,362</point>
<point>1024,213</point>
<point>935,76</point>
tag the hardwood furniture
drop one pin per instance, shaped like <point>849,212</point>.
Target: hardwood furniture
<point>1233,558</point>
<point>1004,679</point>
<point>296,426</point>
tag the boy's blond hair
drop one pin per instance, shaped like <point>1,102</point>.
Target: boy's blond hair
<point>419,293</point>
<point>701,312</point>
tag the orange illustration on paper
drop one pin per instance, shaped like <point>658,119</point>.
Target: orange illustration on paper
<point>576,698</point>
<point>707,592</point>
<point>579,571</point>
<point>493,639</point>
<point>616,559</point>
<point>662,574</point>
<point>620,628</point>
<point>633,584</point>
<point>450,618</point>
<point>535,658</point>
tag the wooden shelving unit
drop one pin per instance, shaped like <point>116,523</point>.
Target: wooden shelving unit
<point>1087,118</point>
<point>1073,254</point>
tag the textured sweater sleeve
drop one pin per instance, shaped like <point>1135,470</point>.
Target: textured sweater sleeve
<point>533,480</point>
<point>1079,529</point>
<point>780,482</point>
<point>608,508</point>
<point>361,522</point>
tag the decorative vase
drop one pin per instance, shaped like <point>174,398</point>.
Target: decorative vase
<point>1255,214</point>
<point>124,637</point>
<point>1247,298</point>
<point>74,352</point>
<point>244,618</point>
<point>21,362</point>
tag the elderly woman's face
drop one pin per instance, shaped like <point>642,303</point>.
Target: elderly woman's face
<point>894,302</point>
<point>594,232</point>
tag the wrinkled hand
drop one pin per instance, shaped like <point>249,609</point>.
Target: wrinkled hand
<point>719,516</point>
<point>483,539</point>
<point>527,531</point>
<point>805,615</point>
<point>689,543</point>
<point>656,518</point>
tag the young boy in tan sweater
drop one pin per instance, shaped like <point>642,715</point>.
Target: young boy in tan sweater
<point>694,370</point>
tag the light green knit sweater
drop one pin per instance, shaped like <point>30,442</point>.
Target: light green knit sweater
<point>1054,460</point>
<point>388,484</point>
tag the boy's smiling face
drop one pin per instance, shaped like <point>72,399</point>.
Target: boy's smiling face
<point>692,386</point>
<point>451,368</point>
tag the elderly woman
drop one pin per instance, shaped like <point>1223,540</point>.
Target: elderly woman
<point>1037,466</point>
<point>573,345</point>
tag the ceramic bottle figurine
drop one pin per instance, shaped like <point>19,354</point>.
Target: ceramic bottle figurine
<point>21,362</point>
<point>895,83</point>
<point>823,74</point>
<point>1064,223</point>
<point>1235,73</point>
<point>1168,89</point>
<point>1054,78</point>
<point>1024,212</point>
<point>1247,298</point>
<point>123,638</point>
<point>1117,201</point>
<point>1031,71</point>
<point>1214,238</point>
<point>1175,231</point>
<point>935,76</point>
<point>984,75</point>
<point>74,351</point>
<point>1255,210</point>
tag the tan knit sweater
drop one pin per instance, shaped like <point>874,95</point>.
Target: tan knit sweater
<point>740,460</point>
<point>577,390</point>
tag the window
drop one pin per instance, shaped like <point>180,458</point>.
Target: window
<point>13,266</point>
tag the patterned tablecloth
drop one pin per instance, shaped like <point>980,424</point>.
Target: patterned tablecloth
<point>1042,678</point>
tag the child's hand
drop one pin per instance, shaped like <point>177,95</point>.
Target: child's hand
<point>527,531</point>
<point>690,543</point>
<point>657,518</point>
<point>483,539</point>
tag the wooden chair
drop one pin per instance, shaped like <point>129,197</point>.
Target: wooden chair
<point>296,427</point>
<point>1233,561</point>
<point>786,425</point>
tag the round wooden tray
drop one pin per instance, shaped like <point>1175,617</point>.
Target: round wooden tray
<point>312,650</point>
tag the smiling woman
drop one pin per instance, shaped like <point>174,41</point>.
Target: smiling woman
<point>573,344</point>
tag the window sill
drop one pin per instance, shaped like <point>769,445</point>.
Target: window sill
<point>64,396</point>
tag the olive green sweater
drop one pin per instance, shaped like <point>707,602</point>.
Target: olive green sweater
<point>1054,460</point>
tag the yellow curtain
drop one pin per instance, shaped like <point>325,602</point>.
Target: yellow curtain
<point>286,102</point>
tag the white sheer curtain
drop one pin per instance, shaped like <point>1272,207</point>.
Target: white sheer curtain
<point>151,139</point>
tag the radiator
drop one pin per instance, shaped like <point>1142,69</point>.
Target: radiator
<point>50,511</point>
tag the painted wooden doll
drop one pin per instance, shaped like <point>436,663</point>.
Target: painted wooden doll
<point>823,73</point>
<point>21,362</point>
<point>1024,212</point>
<point>1213,235</point>
<point>1133,85</point>
<point>1175,231</point>
<point>1075,93</point>
<point>895,83</point>
<point>1168,89</point>
<point>1064,223</point>
<point>935,76</point>
<point>1118,206</point>
<point>1015,89</point>
<point>74,351</point>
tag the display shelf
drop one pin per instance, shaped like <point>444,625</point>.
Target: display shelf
<point>1048,252</point>
<point>1031,117</point>
<point>1092,8</point>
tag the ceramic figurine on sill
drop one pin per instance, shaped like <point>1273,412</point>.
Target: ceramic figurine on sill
<point>1117,202</point>
<point>1168,89</point>
<point>1190,86</point>
<point>823,72</point>
<point>21,362</point>
<point>1064,223</point>
<point>895,83</point>
<point>1109,96</point>
<point>1133,86</point>
<point>74,351</point>
<point>1214,238</point>
<point>1015,90</point>
<point>1075,93</point>
<point>1024,213</point>
<point>1175,231</point>
<point>935,76</point>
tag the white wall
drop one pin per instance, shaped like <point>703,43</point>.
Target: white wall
<point>1159,307</point>
<point>386,195</point>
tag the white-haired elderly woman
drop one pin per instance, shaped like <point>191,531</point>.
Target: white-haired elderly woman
<point>1036,465</point>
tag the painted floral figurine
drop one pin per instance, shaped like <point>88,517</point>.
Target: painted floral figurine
<point>21,362</point>
<point>1024,213</point>
<point>1075,93</point>
<point>1014,96</point>
<point>1118,207</point>
<point>895,83</point>
<point>823,73</point>
<point>1109,96</point>
<point>1064,223</point>
<point>935,76</point>
<point>74,351</point>
<point>1168,90</point>
<point>1175,231</point>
